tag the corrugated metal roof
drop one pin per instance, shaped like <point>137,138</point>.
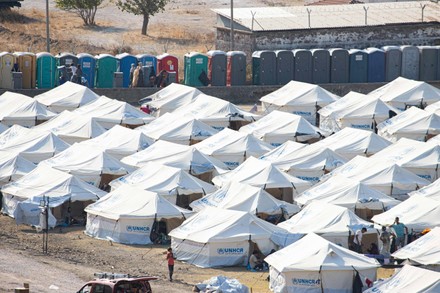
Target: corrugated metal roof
<point>296,17</point>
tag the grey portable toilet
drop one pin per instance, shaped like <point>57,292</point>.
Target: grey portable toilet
<point>264,67</point>
<point>393,62</point>
<point>358,66</point>
<point>320,66</point>
<point>410,62</point>
<point>339,65</point>
<point>236,68</point>
<point>285,66</point>
<point>118,79</point>
<point>217,67</point>
<point>303,65</point>
<point>428,63</point>
<point>148,71</point>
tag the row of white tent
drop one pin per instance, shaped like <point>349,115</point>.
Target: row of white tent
<point>127,214</point>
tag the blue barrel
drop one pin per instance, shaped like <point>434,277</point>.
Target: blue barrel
<point>358,66</point>
<point>125,61</point>
<point>339,65</point>
<point>376,65</point>
<point>88,65</point>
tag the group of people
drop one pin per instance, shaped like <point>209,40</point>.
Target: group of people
<point>137,77</point>
<point>392,238</point>
<point>72,73</point>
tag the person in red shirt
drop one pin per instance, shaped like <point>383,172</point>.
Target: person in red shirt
<point>170,259</point>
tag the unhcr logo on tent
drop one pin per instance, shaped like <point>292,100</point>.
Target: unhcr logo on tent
<point>306,282</point>
<point>230,251</point>
<point>138,229</point>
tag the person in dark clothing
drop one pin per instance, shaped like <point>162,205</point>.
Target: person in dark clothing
<point>78,74</point>
<point>161,79</point>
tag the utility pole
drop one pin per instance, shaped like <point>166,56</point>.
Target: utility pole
<point>47,27</point>
<point>232,26</point>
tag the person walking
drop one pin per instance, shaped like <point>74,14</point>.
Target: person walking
<point>170,259</point>
<point>400,231</point>
<point>385,237</point>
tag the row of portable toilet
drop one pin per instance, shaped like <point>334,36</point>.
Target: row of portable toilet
<point>320,66</point>
<point>216,68</point>
<point>43,70</point>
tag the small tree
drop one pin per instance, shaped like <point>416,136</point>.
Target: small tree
<point>86,9</point>
<point>146,8</point>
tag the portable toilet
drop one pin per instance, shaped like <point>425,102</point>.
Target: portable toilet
<point>124,65</point>
<point>67,60</point>
<point>285,66</point>
<point>7,61</point>
<point>358,65</point>
<point>320,66</point>
<point>106,66</point>
<point>88,66</point>
<point>410,62</point>
<point>46,71</point>
<point>376,65</point>
<point>393,62</point>
<point>168,63</point>
<point>217,62</point>
<point>148,60</point>
<point>339,65</point>
<point>428,63</point>
<point>195,69</point>
<point>27,64</point>
<point>264,67</point>
<point>236,68</point>
<point>303,65</point>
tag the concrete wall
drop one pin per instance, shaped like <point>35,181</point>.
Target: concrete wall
<point>427,33</point>
<point>237,95</point>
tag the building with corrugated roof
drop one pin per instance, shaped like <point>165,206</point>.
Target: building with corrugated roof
<point>329,26</point>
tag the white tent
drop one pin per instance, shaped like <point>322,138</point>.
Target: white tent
<point>22,110</point>
<point>216,237</point>
<point>278,127</point>
<point>184,130</point>
<point>299,98</point>
<point>264,174</point>
<point>170,98</point>
<point>351,142</point>
<point>120,141</point>
<point>174,184</point>
<point>417,212</point>
<point>32,144</point>
<point>61,189</point>
<point>246,198</point>
<point>67,96</point>
<point>130,215</point>
<point>409,279</point>
<point>348,193</point>
<point>424,161</point>
<point>13,167</point>
<point>334,223</point>
<point>111,112</point>
<point>402,93</point>
<point>286,148</point>
<point>398,150</point>
<point>91,164</point>
<point>413,123</point>
<point>423,251</point>
<point>171,154</point>
<point>309,163</point>
<point>216,112</point>
<point>355,110</point>
<point>315,265</point>
<point>72,127</point>
<point>387,177</point>
<point>432,190</point>
<point>233,147</point>
<point>3,128</point>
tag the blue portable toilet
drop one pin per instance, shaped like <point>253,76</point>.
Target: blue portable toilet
<point>285,66</point>
<point>303,65</point>
<point>339,65</point>
<point>358,65</point>
<point>320,66</point>
<point>106,66</point>
<point>88,65</point>
<point>393,62</point>
<point>410,62</point>
<point>428,63</point>
<point>148,60</point>
<point>376,65</point>
<point>124,64</point>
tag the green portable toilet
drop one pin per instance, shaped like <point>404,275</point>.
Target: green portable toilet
<point>46,70</point>
<point>196,69</point>
<point>106,66</point>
